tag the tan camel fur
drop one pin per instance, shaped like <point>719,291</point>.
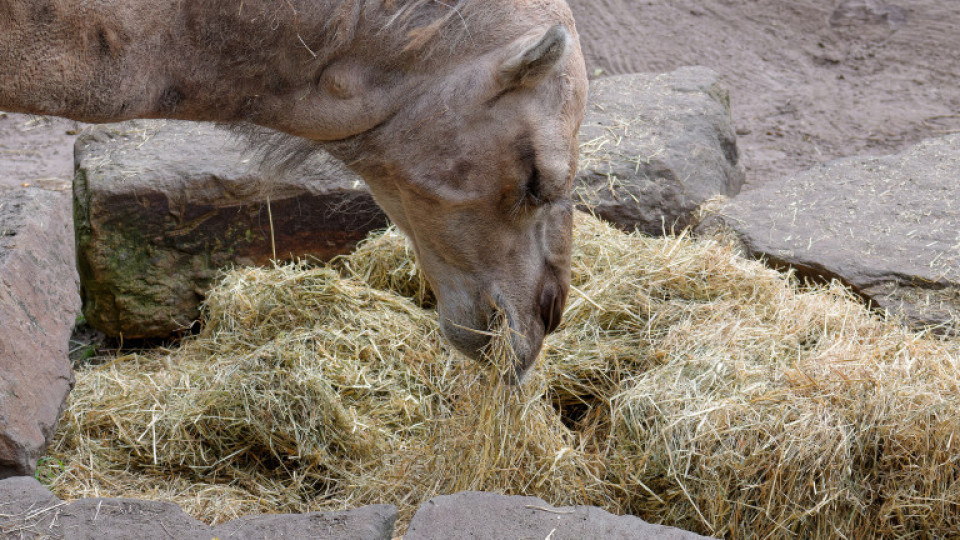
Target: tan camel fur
<point>461,115</point>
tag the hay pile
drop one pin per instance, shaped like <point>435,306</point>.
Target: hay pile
<point>687,386</point>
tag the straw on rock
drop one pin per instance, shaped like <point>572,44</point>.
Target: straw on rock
<point>686,385</point>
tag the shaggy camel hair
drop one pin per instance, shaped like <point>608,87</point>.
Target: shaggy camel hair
<point>461,115</point>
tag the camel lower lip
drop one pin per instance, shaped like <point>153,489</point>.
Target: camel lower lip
<point>502,345</point>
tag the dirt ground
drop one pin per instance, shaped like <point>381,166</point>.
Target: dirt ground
<point>810,80</point>
<point>37,151</point>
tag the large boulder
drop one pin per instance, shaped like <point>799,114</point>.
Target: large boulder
<point>473,514</point>
<point>653,148</point>
<point>161,207</point>
<point>38,307</point>
<point>28,510</point>
<point>889,227</point>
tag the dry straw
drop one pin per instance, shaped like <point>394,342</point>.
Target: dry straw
<point>687,386</point>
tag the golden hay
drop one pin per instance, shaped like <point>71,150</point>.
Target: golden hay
<point>687,385</point>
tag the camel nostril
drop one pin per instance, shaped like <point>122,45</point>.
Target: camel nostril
<point>551,309</point>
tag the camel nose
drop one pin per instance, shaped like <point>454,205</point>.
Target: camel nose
<point>551,307</point>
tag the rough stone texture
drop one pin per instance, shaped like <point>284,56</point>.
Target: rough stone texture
<point>36,150</point>
<point>655,147</point>
<point>125,519</point>
<point>38,307</point>
<point>480,515</point>
<point>889,227</point>
<point>28,510</point>
<point>373,522</point>
<point>161,207</point>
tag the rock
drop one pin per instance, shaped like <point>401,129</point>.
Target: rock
<point>489,515</point>
<point>36,150</point>
<point>38,308</point>
<point>855,12</point>
<point>28,510</point>
<point>373,522</point>
<point>126,519</point>
<point>130,519</point>
<point>653,148</point>
<point>889,227</point>
<point>161,207</point>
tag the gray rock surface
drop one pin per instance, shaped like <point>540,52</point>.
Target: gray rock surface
<point>481,515</point>
<point>889,227</point>
<point>653,148</point>
<point>162,206</point>
<point>125,519</point>
<point>38,307</point>
<point>29,511</point>
<point>373,522</point>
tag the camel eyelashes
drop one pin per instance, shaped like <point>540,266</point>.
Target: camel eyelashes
<point>530,196</point>
<point>532,189</point>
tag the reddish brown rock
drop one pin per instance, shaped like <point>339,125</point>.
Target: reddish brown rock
<point>38,307</point>
<point>161,207</point>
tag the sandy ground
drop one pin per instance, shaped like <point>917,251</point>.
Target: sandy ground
<point>36,151</point>
<point>810,80</point>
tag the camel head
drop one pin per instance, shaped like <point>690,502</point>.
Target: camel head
<point>477,170</point>
<point>461,116</point>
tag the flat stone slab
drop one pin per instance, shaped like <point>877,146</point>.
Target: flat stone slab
<point>653,148</point>
<point>38,308</point>
<point>889,227</point>
<point>374,522</point>
<point>29,511</point>
<point>162,206</point>
<point>36,150</point>
<point>479,515</point>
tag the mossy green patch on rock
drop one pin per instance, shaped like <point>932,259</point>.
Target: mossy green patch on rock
<point>161,207</point>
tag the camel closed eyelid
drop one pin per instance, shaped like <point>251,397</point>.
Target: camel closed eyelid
<point>533,188</point>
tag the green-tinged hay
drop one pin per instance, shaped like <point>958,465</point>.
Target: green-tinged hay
<point>686,385</point>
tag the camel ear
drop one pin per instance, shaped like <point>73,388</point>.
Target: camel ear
<point>537,60</point>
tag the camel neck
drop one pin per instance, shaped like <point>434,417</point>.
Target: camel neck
<point>231,60</point>
<point>90,60</point>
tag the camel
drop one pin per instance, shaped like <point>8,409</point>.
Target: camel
<point>461,116</point>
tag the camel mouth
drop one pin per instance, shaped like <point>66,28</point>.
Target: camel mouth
<point>500,343</point>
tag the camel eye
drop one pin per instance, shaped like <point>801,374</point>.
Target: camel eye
<point>529,195</point>
<point>532,189</point>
